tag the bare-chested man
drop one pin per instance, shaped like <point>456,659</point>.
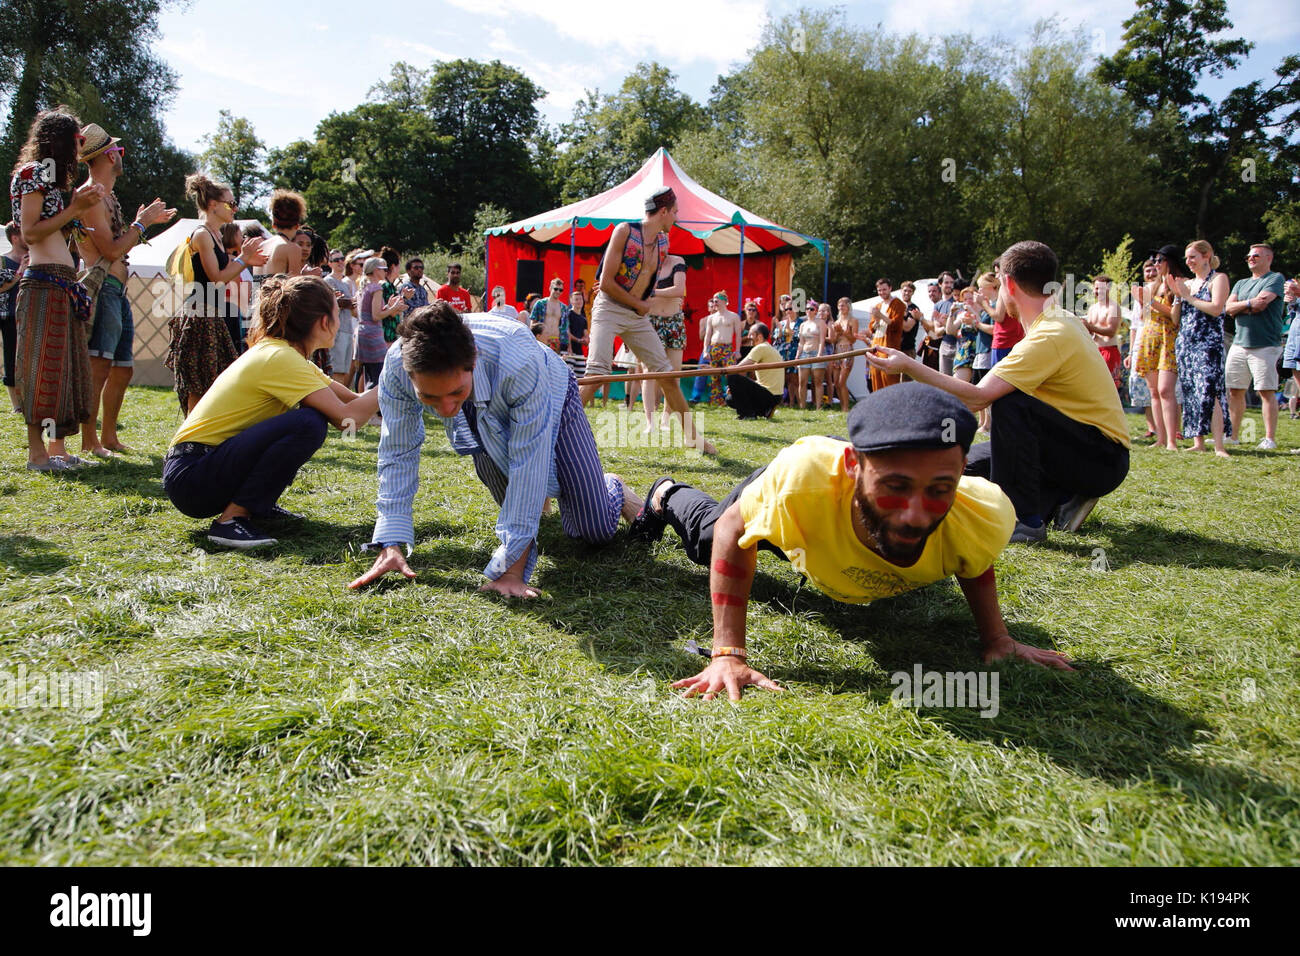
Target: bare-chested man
<point>553,314</point>
<point>721,344</point>
<point>112,335</point>
<point>1102,321</point>
<point>626,283</point>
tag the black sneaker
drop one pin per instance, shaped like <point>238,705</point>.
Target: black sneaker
<point>279,514</point>
<point>648,525</point>
<point>1071,515</point>
<point>1028,534</point>
<point>238,533</point>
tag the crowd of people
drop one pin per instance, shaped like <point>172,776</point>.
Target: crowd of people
<point>280,336</point>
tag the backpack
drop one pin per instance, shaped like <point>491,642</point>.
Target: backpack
<point>181,262</point>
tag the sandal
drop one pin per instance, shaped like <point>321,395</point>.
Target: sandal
<point>51,464</point>
<point>649,525</point>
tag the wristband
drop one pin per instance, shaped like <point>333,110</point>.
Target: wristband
<point>139,226</point>
<point>239,259</point>
<point>728,652</point>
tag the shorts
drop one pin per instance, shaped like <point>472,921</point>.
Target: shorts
<point>112,335</point>
<point>812,366</point>
<point>671,329</point>
<point>1114,363</point>
<point>1257,365</point>
<point>342,349</point>
<point>998,356</point>
<point>983,361</point>
<point>609,319</point>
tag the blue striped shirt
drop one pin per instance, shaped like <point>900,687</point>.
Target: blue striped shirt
<point>519,390</point>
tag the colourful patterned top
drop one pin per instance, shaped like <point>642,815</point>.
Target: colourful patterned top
<point>633,258</point>
<point>29,179</point>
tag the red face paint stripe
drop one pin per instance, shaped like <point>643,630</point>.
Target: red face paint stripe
<point>891,502</point>
<point>731,600</point>
<point>727,569</point>
<point>935,506</point>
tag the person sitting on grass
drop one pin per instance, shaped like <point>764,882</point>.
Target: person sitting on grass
<point>887,512</point>
<point>516,409</point>
<point>756,399</point>
<point>263,417</point>
<point>1059,437</point>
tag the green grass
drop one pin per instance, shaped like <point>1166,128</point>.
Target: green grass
<point>258,712</point>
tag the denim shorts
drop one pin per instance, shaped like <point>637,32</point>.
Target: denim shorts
<point>112,336</point>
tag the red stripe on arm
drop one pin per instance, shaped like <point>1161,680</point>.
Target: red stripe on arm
<point>733,600</point>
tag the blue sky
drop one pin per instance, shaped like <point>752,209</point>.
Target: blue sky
<point>286,67</point>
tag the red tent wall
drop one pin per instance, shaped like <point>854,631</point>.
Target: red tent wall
<point>767,276</point>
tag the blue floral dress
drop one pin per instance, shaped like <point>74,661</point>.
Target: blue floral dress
<point>1200,354</point>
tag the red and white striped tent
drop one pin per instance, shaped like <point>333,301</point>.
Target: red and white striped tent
<point>726,247</point>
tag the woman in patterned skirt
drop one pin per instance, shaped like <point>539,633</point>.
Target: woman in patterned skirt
<point>52,309</point>
<point>201,346</point>
<point>665,314</point>
<point>1200,348</point>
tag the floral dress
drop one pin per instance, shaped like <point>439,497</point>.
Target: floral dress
<point>786,338</point>
<point>1200,356</point>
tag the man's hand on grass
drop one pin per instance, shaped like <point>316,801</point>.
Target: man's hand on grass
<point>726,673</point>
<point>390,559</point>
<point>1004,646</point>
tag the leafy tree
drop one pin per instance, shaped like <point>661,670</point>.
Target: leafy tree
<point>485,115</point>
<point>371,177</point>
<point>1069,172</point>
<point>411,168</point>
<point>235,157</point>
<point>53,47</point>
<point>1231,165</point>
<point>611,136</point>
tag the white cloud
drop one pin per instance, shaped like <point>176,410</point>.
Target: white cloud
<point>676,31</point>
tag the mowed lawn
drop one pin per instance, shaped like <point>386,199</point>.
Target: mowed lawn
<point>257,712</point>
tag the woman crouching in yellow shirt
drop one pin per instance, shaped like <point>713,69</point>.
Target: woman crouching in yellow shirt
<point>264,417</point>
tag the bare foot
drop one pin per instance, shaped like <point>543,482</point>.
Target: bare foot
<point>119,447</point>
<point>99,451</point>
<point>1222,453</point>
<point>632,502</point>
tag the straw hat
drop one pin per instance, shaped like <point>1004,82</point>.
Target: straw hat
<point>96,141</point>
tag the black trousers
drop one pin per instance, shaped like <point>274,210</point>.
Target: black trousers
<point>251,469</point>
<point>749,398</point>
<point>1040,457</point>
<point>692,514</point>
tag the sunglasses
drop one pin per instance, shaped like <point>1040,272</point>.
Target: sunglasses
<point>1253,255</point>
<point>340,259</point>
<point>116,149</point>
<point>1158,259</point>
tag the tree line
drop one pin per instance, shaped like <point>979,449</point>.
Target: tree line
<point>908,154</point>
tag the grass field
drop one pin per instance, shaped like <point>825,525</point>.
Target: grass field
<point>256,711</point>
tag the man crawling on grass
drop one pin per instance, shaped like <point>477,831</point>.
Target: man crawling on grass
<point>888,511</point>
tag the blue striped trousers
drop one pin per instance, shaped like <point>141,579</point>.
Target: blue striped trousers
<point>591,501</point>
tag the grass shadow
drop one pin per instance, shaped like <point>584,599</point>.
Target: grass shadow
<point>28,555</point>
<point>1146,542</point>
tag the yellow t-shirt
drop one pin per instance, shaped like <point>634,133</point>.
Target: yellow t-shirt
<point>1057,362</point>
<point>267,380</point>
<point>803,504</point>
<point>772,379</point>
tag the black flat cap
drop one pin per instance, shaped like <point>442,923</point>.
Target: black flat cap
<point>910,415</point>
